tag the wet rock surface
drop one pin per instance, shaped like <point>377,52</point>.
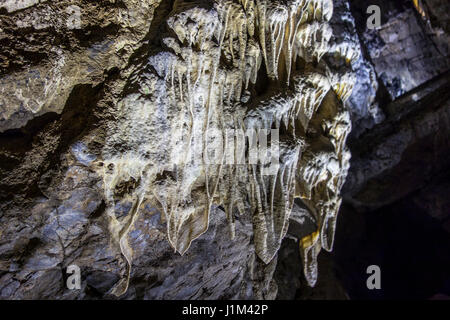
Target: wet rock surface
<point>394,214</point>
<point>64,92</point>
<point>94,97</point>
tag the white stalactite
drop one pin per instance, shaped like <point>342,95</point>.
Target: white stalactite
<point>206,81</point>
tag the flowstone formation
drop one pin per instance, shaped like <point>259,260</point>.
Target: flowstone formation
<point>131,132</point>
<point>240,66</point>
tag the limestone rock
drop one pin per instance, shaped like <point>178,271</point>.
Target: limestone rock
<point>116,155</point>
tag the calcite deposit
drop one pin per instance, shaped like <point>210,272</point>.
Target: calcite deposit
<point>165,147</point>
<point>205,78</point>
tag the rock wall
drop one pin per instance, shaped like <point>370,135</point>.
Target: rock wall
<point>128,130</point>
<point>394,214</point>
<point>106,113</point>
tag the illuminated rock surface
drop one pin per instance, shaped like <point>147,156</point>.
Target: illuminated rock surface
<point>105,137</point>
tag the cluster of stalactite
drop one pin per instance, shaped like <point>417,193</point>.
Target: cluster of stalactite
<point>233,65</point>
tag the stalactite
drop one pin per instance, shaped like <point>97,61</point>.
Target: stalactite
<point>205,81</point>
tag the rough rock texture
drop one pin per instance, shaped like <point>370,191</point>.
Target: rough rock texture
<point>395,211</point>
<point>106,114</point>
<point>384,168</point>
<point>396,196</point>
<point>407,50</point>
<point>363,104</point>
<point>46,52</point>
